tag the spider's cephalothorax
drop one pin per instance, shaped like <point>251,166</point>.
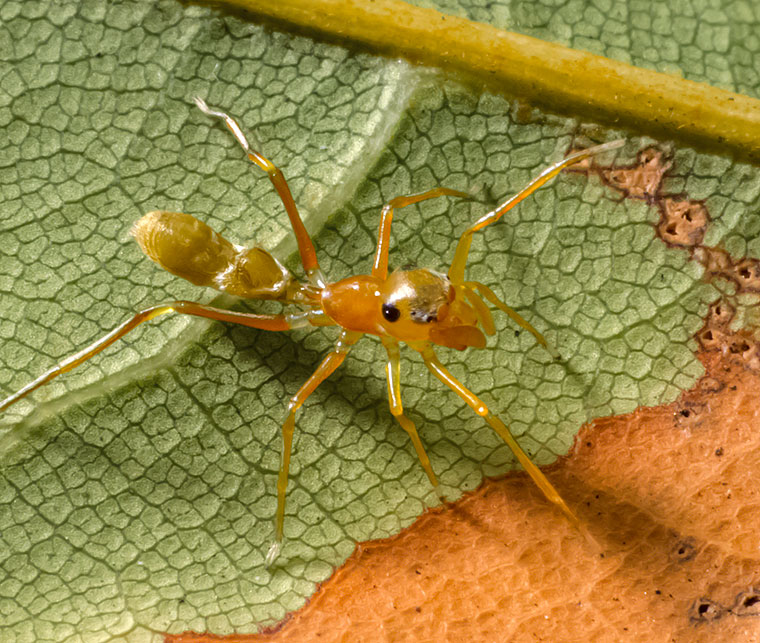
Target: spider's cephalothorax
<point>418,305</point>
<point>423,305</point>
<point>418,296</point>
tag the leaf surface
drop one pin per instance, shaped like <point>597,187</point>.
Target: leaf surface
<point>140,487</point>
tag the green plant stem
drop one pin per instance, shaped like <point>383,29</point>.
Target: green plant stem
<point>543,73</point>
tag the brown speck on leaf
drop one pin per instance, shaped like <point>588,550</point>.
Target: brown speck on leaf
<point>641,180</point>
<point>684,550</point>
<point>682,222</point>
<point>747,603</point>
<point>705,610</point>
<point>689,415</point>
<point>744,273</point>
<point>741,346</point>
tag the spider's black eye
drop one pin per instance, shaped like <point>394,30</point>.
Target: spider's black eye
<point>391,313</point>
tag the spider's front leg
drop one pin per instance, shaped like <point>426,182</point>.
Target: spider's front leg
<point>380,265</point>
<point>456,271</point>
<point>477,405</point>
<point>393,374</point>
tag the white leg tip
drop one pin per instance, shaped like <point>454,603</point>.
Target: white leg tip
<point>207,110</point>
<point>273,553</point>
<point>201,104</point>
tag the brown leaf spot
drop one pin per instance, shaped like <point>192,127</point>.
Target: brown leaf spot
<point>502,563</point>
<point>744,273</point>
<point>705,610</point>
<point>682,222</point>
<point>683,550</point>
<point>747,603</point>
<point>741,346</point>
<point>641,180</point>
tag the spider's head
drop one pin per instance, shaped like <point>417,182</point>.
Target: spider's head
<point>422,305</point>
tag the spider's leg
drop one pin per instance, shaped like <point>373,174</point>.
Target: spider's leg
<point>331,362</point>
<point>380,266</point>
<point>490,295</point>
<point>393,373</point>
<point>265,322</point>
<point>477,405</point>
<point>456,272</point>
<point>305,245</point>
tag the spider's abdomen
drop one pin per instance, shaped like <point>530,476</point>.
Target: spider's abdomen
<point>190,249</point>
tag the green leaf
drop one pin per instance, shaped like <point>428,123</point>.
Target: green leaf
<point>139,489</point>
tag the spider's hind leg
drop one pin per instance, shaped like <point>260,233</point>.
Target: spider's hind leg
<point>305,245</point>
<point>477,405</point>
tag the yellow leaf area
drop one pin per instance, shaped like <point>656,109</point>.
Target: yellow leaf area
<point>670,495</point>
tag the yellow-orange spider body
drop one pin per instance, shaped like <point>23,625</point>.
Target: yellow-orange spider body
<point>420,307</point>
